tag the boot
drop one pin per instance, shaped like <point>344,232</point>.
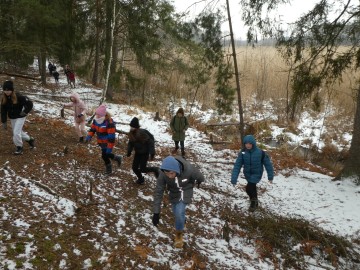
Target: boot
<point>174,152</point>
<point>31,142</point>
<point>140,181</point>
<point>254,203</point>
<point>118,159</point>
<point>81,139</point>
<point>182,152</point>
<point>179,243</point>
<point>108,168</point>
<point>19,150</point>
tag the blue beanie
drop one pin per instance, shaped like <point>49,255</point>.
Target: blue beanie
<point>170,164</point>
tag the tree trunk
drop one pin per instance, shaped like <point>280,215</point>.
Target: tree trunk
<point>237,75</point>
<point>352,164</point>
<point>95,77</point>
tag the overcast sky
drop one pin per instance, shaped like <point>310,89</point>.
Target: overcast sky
<point>288,13</point>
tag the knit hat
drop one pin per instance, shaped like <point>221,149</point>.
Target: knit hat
<point>8,85</point>
<point>135,123</point>
<point>101,111</point>
<point>170,164</point>
<point>180,110</point>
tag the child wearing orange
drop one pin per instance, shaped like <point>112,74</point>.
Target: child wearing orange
<point>104,128</point>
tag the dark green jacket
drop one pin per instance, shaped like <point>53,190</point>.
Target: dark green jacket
<point>178,126</point>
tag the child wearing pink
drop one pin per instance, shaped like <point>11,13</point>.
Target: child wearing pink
<point>79,114</point>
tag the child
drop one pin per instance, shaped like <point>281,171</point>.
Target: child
<point>56,76</point>
<point>71,76</point>
<point>179,124</point>
<point>253,159</point>
<point>16,107</point>
<point>178,178</point>
<point>142,141</point>
<point>104,127</point>
<point>79,114</point>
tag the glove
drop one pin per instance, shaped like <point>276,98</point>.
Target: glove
<point>4,126</point>
<point>108,150</point>
<point>156,219</point>
<point>128,154</point>
<point>88,138</point>
<point>198,184</point>
<point>22,114</point>
<point>80,115</point>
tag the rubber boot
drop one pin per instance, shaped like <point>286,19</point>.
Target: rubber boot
<point>254,203</point>
<point>179,242</point>
<point>118,159</point>
<point>182,152</point>
<point>108,169</point>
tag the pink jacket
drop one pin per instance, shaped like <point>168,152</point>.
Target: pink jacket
<point>79,107</point>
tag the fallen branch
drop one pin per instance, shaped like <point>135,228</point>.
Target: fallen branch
<point>49,190</point>
<point>21,76</point>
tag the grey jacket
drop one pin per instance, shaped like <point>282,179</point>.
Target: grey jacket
<point>180,188</point>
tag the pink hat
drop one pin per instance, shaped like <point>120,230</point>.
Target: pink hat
<point>101,111</point>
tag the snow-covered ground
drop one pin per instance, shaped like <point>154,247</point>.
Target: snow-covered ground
<point>331,205</point>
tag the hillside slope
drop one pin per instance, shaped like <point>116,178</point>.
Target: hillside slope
<point>59,211</point>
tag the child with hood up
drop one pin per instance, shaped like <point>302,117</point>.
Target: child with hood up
<point>79,114</point>
<point>253,159</point>
<point>179,124</point>
<point>104,128</point>
<point>178,177</point>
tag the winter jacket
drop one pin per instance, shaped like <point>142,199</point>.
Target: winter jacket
<point>253,162</point>
<point>142,141</point>
<point>78,106</point>
<point>105,133</point>
<point>180,188</point>
<point>178,126</point>
<point>13,110</point>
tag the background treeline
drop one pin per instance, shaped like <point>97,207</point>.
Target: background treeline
<point>139,49</point>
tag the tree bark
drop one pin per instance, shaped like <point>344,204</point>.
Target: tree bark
<point>352,164</point>
<point>237,75</point>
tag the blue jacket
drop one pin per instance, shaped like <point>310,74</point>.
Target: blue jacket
<point>252,162</point>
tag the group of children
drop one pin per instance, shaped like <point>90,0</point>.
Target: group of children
<point>176,175</point>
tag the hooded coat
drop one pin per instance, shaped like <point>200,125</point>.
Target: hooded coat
<point>180,188</point>
<point>178,126</point>
<point>253,162</point>
<point>78,106</point>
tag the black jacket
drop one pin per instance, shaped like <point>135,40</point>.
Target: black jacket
<point>142,141</point>
<point>13,110</point>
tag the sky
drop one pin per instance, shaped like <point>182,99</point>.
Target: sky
<point>287,13</point>
<point>331,205</point>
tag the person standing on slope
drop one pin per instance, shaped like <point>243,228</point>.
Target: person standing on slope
<point>143,143</point>
<point>179,124</point>
<point>104,128</point>
<point>79,114</point>
<point>253,159</point>
<point>16,107</point>
<point>178,177</point>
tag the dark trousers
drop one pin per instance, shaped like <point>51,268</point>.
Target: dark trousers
<point>139,165</point>
<point>182,145</point>
<point>106,157</point>
<point>251,190</point>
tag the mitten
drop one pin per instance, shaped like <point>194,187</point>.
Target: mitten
<point>4,126</point>
<point>22,114</point>
<point>156,219</point>
<point>80,115</point>
<point>198,184</point>
<point>128,154</point>
<point>62,113</point>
